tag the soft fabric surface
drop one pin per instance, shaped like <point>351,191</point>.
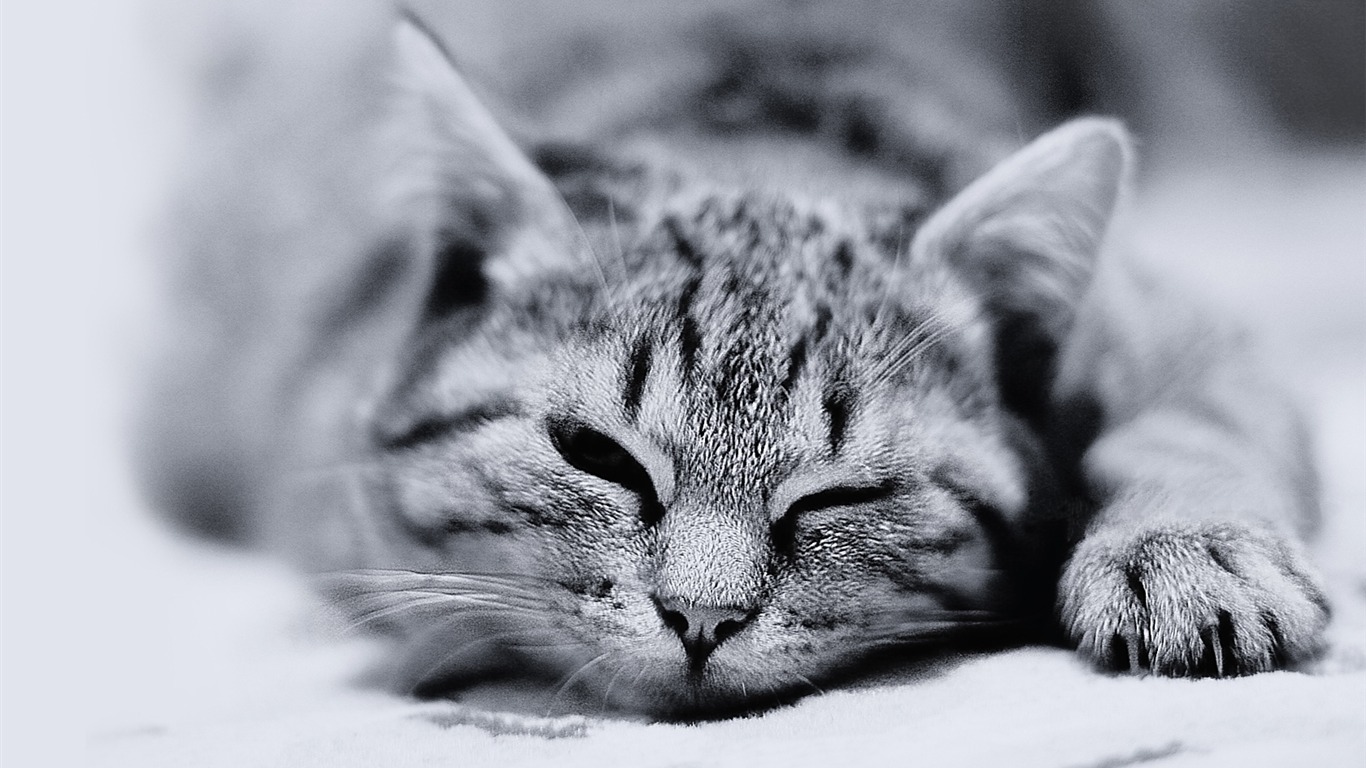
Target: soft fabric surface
<point>217,658</point>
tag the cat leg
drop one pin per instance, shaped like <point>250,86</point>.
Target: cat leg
<point>1157,586</point>
<point>1192,564</point>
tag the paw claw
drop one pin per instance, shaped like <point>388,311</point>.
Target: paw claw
<point>1212,664</point>
<point>1206,601</point>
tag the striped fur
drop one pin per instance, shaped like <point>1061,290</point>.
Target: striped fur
<point>648,421</point>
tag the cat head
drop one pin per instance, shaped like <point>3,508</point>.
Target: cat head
<point>703,458</point>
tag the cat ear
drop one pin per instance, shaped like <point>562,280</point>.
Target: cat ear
<point>458,182</point>
<point>1026,236</point>
<point>1027,233</point>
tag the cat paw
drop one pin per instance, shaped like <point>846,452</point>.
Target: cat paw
<point>1207,600</point>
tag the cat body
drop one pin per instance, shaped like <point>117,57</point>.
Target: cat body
<point>697,418</point>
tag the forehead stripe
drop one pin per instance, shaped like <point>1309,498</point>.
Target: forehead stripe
<point>684,246</point>
<point>689,337</point>
<point>637,372</point>
<point>838,404</point>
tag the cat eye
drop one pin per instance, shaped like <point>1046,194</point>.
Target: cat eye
<point>589,450</point>
<point>441,426</point>
<point>840,496</point>
<point>784,528</point>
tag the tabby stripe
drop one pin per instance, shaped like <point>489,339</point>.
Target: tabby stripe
<point>844,259</point>
<point>821,327</point>
<point>689,337</point>
<point>796,362</point>
<point>637,371</point>
<point>682,244</point>
<point>838,402</point>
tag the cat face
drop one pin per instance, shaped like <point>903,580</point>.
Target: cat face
<point>762,439</point>
<point>745,458</point>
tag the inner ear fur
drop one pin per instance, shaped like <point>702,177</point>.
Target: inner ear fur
<point>1026,236</point>
<point>458,188</point>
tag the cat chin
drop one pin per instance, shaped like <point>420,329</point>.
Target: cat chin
<point>665,686</point>
<point>657,684</point>
<point>676,693</point>
<point>744,677</point>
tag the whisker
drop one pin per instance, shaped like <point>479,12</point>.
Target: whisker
<point>564,686</point>
<point>505,599</point>
<point>607,694</point>
<point>912,337</point>
<point>440,667</point>
<point>636,680</point>
<point>452,605</point>
<point>916,342</point>
<point>524,586</point>
<point>510,599</point>
<point>374,615</point>
<point>597,261</point>
<point>773,694</point>
<point>892,278</point>
<point>419,579</point>
<point>528,591</point>
<point>805,680</point>
<point>924,344</point>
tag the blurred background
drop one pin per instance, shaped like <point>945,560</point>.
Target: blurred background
<point>1251,117</point>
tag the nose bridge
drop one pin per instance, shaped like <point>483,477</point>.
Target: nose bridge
<point>711,558</point>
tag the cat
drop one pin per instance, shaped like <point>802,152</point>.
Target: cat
<point>695,425</point>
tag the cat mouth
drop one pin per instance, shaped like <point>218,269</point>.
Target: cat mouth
<point>654,689</point>
<point>519,643</point>
<point>555,678</point>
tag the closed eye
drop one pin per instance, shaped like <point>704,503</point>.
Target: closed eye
<point>784,529</point>
<point>841,496</point>
<point>589,450</point>
<point>435,428</point>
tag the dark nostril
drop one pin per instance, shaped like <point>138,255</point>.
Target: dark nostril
<point>726,628</point>
<point>674,620</point>
<point>700,627</point>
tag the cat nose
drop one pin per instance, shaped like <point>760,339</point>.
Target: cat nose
<point>701,627</point>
